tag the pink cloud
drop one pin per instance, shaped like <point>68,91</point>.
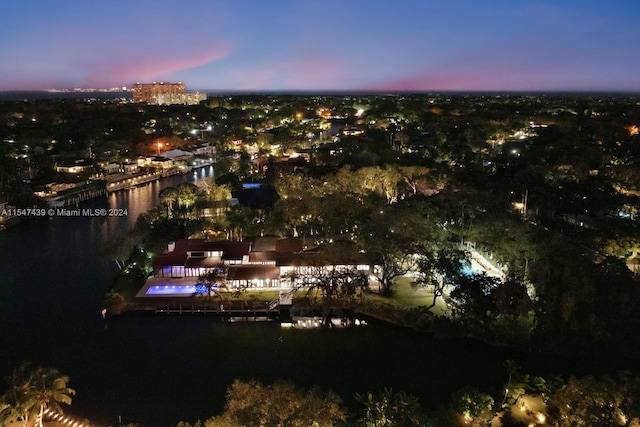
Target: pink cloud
<point>28,83</point>
<point>275,74</point>
<point>428,81</point>
<point>483,70</point>
<point>504,66</point>
<point>126,71</point>
<point>507,66</point>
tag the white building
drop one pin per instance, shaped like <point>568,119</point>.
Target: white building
<point>267,262</point>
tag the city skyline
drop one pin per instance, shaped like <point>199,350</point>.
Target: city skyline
<point>334,46</point>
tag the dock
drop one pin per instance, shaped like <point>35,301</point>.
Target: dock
<point>126,182</point>
<point>227,310</point>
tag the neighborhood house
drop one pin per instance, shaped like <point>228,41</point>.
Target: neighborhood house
<point>264,263</point>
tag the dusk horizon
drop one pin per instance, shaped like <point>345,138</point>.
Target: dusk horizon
<point>522,46</point>
<point>339,213</point>
<point>338,92</point>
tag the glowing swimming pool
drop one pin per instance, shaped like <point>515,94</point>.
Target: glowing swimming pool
<point>192,289</point>
<point>174,289</point>
<point>469,270</point>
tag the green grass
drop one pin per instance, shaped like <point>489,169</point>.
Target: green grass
<point>254,295</point>
<point>406,295</point>
<point>127,286</point>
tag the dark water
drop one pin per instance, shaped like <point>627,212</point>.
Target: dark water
<point>159,370</point>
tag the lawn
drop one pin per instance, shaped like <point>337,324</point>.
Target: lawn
<point>405,295</point>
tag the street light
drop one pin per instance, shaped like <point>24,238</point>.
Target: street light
<point>195,132</point>
<point>158,150</point>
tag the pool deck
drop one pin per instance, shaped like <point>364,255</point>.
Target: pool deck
<point>179,284</point>
<point>176,283</point>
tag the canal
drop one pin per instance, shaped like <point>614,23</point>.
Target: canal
<point>158,370</point>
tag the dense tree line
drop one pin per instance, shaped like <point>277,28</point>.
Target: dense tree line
<point>608,400</point>
<point>557,295</point>
<point>523,400</point>
<point>32,390</point>
<point>430,179</point>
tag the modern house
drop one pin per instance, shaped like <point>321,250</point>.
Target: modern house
<point>161,162</point>
<point>111,167</point>
<point>178,155</point>
<point>194,257</point>
<point>130,168</point>
<point>144,161</point>
<point>205,149</point>
<point>264,263</point>
<point>212,209</point>
<point>74,167</point>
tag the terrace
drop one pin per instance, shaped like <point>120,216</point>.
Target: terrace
<point>270,267</point>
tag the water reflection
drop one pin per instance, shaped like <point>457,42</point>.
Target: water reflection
<point>139,200</point>
<point>161,369</point>
<point>314,322</point>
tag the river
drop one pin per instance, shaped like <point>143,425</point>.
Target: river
<point>158,370</point>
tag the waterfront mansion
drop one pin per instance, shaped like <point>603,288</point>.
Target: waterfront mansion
<point>263,263</point>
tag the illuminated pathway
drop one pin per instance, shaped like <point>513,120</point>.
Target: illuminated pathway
<point>59,419</point>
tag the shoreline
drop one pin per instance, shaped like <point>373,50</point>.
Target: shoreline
<point>418,319</point>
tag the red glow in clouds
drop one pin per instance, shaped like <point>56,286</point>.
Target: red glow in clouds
<point>128,70</point>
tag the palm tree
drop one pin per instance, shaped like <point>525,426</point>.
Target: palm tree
<point>389,408</point>
<point>16,404</point>
<point>49,390</point>
<point>187,194</point>
<point>34,389</point>
<point>168,196</point>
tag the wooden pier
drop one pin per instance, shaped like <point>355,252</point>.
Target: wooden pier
<point>235,310</point>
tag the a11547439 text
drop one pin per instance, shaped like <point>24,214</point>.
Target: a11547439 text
<point>64,212</point>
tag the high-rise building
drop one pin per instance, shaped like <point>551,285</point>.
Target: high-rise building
<point>165,94</point>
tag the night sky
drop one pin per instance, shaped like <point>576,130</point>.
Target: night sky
<point>290,45</point>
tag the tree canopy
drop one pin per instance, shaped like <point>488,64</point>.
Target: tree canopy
<point>32,389</point>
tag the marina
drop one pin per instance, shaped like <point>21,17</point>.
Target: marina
<point>73,194</point>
